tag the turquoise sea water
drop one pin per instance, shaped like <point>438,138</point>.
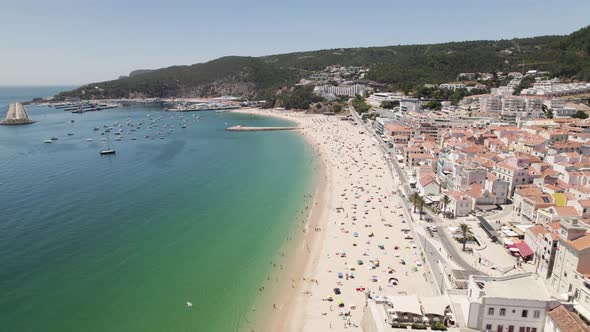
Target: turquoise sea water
<point>122,242</point>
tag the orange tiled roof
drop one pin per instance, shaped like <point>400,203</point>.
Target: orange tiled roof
<point>580,243</point>
<point>537,229</point>
<point>566,211</point>
<point>567,321</point>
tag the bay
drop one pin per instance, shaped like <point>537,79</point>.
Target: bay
<point>122,242</point>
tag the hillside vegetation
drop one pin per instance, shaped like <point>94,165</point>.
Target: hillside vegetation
<point>402,67</point>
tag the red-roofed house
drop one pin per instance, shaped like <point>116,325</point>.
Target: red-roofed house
<point>528,200</point>
<point>427,185</point>
<point>460,203</point>
<point>480,196</point>
<point>562,319</point>
<point>513,174</point>
<point>556,213</point>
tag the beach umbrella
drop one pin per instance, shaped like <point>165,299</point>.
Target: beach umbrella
<point>360,262</point>
<point>355,234</point>
<point>337,291</point>
<point>340,275</point>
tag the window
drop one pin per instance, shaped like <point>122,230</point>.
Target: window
<point>537,314</point>
<point>502,312</point>
<point>525,313</point>
<point>521,329</point>
<point>491,311</point>
<point>488,327</point>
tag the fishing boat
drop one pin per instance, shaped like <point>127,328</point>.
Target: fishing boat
<point>108,149</point>
<point>47,141</point>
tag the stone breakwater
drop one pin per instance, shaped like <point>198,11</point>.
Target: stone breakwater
<point>242,128</point>
<point>16,115</point>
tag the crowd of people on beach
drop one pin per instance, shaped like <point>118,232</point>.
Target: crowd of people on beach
<point>365,247</point>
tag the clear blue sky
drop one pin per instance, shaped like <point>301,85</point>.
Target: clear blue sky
<point>81,41</point>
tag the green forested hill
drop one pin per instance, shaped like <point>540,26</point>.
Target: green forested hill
<point>402,66</point>
<point>243,76</point>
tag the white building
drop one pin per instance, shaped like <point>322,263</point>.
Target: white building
<point>451,86</point>
<point>490,103</point>
<point>516,303</point>
<point>377,98</point>
<point>410,105</point>
<point>341,90</point>
<point>572,265</point>
<point>515,109</point>
<point>460,203</point>
<point>556,89</point>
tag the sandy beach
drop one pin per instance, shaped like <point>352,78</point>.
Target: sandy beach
<point>355,240</point>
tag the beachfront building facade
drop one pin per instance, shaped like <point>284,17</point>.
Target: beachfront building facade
<point>516,303</point>
<point>460,205</point>
<point>571,272</point>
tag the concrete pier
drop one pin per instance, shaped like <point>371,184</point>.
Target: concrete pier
<point>16,115</point>
<point>242,128</point>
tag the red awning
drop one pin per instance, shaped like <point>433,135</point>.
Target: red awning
<point>524,249</point>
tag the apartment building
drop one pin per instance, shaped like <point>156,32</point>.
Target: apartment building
<point>514,174</point>
<point>516,109</point>
<point>341,90</point>
<point>571,272</point>
<point>516,303</point>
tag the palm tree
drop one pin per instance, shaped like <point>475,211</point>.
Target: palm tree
<point>420,203</point>
<point>414,200</point>
<point>445,200</point>
<point>466,233</point>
